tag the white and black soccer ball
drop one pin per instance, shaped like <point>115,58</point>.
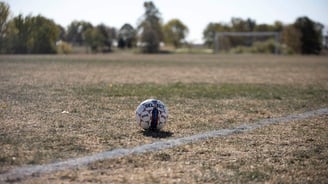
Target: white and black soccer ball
<point>151,114</point>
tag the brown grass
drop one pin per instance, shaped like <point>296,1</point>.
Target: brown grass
<point>287,153</point>
<point>35,90</point>
<point>126,68</point>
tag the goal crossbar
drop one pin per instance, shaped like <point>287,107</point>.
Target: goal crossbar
<point>218,34</point>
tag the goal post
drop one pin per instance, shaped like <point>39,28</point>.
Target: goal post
<point>276,36</point>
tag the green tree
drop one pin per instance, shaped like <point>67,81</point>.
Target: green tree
<point>126,36</point>
<point>311,35</point>
<point>19,36</point>
<point>175,32</point>
<point>278,26</point>
<point>151,28</point>
<point>43,36</point>
<point>76,30</point>
<point>150,41</point>
<point>109,34</point>
<point>240,25</point>
<point>62,33</point>
<point>32,35</point>
<point>264,28</point>
<point>94,39</point>
<point>210,31</point>
<point>4,14</point>
<point>99,38</point>
<point>291,37</point>
<point>10,39</point>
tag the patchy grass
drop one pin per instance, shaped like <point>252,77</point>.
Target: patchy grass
<point>205,90</point>
<point>132,69</point>
<point>295,152</point>
<point>101,92</point>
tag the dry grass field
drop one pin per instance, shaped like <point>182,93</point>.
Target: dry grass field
<point>99,93</point>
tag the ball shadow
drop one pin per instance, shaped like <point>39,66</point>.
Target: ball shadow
<point>157,133</point>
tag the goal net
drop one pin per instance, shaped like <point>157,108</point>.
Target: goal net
<point>224,41</point>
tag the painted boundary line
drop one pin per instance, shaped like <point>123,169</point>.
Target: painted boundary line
<point>20,173</point>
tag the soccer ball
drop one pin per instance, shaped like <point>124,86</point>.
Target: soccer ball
<point>151,114</point>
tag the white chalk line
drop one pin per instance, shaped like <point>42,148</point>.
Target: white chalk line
<point>20,173</point>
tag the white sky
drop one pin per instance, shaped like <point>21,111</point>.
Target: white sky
<point>196,14</point>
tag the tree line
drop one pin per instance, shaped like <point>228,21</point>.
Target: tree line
<point>38,34</point>
<point>304,36</point>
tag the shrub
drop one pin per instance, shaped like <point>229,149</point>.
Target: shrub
<point>63,47</point>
